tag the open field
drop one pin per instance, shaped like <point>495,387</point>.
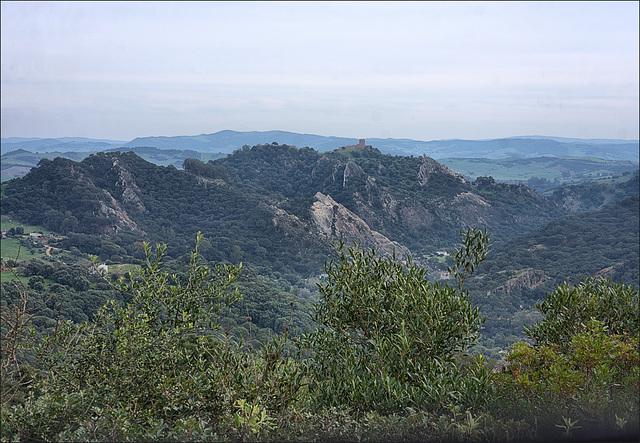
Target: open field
<point>565,170</point>
<point>11,247</point>
<point>8,276</point>
<point>7,224</point>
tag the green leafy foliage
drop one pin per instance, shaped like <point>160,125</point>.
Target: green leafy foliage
<point>388,358</point>
<point>585,244</point>
<point>207,170</point>
<point>569,308</point>
<point>367,182</point>
<point>385,364</point>
<point>415,201</point>
<point>517,274</point>
<point>152,368</point>
<point>592,381</point>
<point>387,336</point>
<point>582,374</point>
<point>474,250</point>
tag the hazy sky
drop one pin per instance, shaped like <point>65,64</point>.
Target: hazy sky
<point>382,69</point>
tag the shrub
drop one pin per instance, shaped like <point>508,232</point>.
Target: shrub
<point>387,336</point>
<point>156,368</point>
<point>582,375</point>
<point>568,310</point>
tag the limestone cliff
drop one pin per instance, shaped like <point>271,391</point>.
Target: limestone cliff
<point>129,188</point>
<point>351,170</point>
<point>108,207</point>
<point>111,209</point>
<point>334,222</point>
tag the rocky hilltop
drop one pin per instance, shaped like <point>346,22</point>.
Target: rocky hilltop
<point>414,201</point>
<point>276,205</point>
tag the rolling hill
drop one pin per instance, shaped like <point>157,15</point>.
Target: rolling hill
<point>279,206</point>
<point>228,141</point>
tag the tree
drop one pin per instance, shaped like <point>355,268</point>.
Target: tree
<point>387,336</point>
<point>569,308</point>
<point>485,181</point>
<point>130,354</point>
<point>582,372</point>
<point>156,368</point>
<point>15,317</point>
<point>37,282</point>
<point>69,223</point>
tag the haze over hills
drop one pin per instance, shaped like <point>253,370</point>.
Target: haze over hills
<point>228,141</point>
<point>63,144</point>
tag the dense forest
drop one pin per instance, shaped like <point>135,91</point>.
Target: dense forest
<point>256,206</point>
<point>316,281</point>
<point>414,201</point>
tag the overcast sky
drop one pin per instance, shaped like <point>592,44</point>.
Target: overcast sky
<point>424,71</point>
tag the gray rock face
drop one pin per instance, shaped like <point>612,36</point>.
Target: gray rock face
<point>429,166</point>
<point>351,170</point>
<point>112,209</point>
<point>529,278</point>
<point>334,222</point>
<point>130,190</point>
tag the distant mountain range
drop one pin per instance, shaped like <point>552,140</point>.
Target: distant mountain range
<point>229,141</point>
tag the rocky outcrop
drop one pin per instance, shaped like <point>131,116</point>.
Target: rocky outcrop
<point>288,223</point>
<point>585,198</point>
<point>108,207</point>
<point>530,278</point>
<point>608,272</point>
<point>470,209</point>
<point>429,167</point>
<point>351,170</point>
<point>416,216</point>
<point>470,197</point>
<point>334,222</point>
<point>571,203</point>
<point>111,209</point>
<point>130,191</point>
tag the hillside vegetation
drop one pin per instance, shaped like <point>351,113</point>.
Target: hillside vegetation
<point>517,274</point>
<point>302,257</point>
<point>270,210</point>
<point>19,162</point>
<point>158,366</point>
